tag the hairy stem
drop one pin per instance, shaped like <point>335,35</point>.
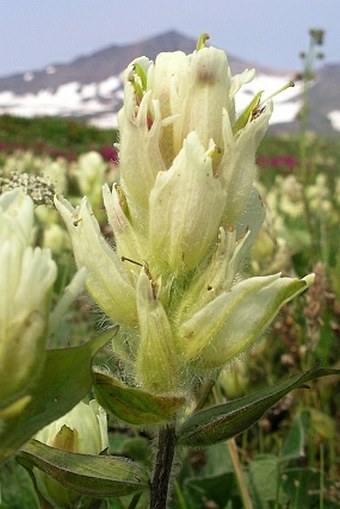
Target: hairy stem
<point>160,483</point>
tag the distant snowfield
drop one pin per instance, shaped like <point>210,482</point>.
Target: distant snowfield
<point>71,99</point>
<point>334,117</point>
<point>286,104</point>
<point>99,101</point>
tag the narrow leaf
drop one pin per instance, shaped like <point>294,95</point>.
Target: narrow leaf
<point>65,379</point>
<point>243,119</point>
<point>95,476</point>
<point>134,406</point>
<point>222,422</point>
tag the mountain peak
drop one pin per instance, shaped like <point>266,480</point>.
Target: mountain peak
<point>90,87</point>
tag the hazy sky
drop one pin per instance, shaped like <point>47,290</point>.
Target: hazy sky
<point>35,33</point>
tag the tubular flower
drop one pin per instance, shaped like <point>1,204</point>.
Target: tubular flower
<point>184,216</point>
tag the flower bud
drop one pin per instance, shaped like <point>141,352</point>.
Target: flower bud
<point>55,238</point>
<point>90,172</point>
<point>82,430</point>
<point>233,380</point>
<point>56,172</point>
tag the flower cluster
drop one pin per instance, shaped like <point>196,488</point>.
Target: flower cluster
<point>183,218</point>
<point>26,279</point>
<point>39,188</point>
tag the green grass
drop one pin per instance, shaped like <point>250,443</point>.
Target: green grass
<point>52,135</point>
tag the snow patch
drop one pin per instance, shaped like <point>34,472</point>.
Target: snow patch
<point>286,104</point>
<point>108,86</point>
<point>50,69</point>
<point>28,76</point>
<point>100,100</point>
<point>88,91</point>
<point>334,117</point>
<point>67,100</point>
<point>108,121</point>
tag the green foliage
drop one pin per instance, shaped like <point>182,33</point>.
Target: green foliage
<point>53,135</point>
<point>134,406</point>
<point>65,379</point>
<point>222,422</point>
<point>275,481</point>
<point>16,489</point>
<point>95,476</point>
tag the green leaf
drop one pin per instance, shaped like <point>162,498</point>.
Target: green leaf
<point>94,476</point>
<point>137,449</point>
<point>217,461</point>
<point>214,491</point>
<point>134,406</point>
<point>64,380</point>
<point>15,487</point>
<point>212,482</point>
<point>247,113</point>
<point>295,443</point>
<point>263,480</point>
<point>222,422</point>
<point>322,424</point>
<point>203,38</point>
<point>141,74</point>
<point>302,487</point>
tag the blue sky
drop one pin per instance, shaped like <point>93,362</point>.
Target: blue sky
<point>35,33</point>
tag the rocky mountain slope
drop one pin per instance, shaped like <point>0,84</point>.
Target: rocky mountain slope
<point>90,87</point>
